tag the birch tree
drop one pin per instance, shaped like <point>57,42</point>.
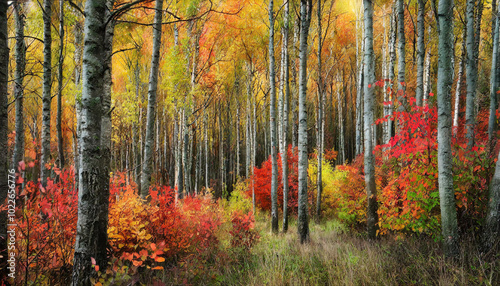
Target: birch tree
<point>93,195</point>
<point>47,85</point>
<point>494,80</point>
<point>272,117</point>
<point>419,92</point>
<point>471,71</point>
<point>449,226</point>
<point>369,71</point>
<point>78,33</point>
<point>427,68</point>
<point>303,220</point>
<point>20,56</point>
<point>401,55</point>
<point>388,109</point>
<point>60,63</point>
<point>458,88</point>
<point>492,225</point>
<point>153,85</point>
<point>359,86</point>
<point>286,100</point>
<point>319,121</point>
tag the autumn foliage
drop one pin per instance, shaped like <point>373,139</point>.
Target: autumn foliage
<point>407,174</point>
<point>162,233</point>
<point>261,181</point>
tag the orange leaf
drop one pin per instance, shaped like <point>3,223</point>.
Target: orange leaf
<point>137,262</point>
<point>157,268</point>
<point>159,259</point>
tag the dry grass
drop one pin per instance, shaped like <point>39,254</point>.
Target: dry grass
<point>335,257</point>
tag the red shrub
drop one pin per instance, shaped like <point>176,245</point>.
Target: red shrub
<point>243,234</point>
<point>262,183</point>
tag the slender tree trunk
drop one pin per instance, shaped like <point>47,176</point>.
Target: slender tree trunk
<point>319,123</point>
<point>237,173</point>
<point>93,195</point>
<point>303,220</point>
<point>295,106</point>
<point>492,225</point>
<point>254,149</point>
<point>494,81</point>
<point>385,76</point>
<point>175,142</point>
<point>247,139</point>
<point>106,126</point>
<point>4,127</point>
<point>138,151</point>
<point>198,166</point>
<point>221,154</point>
<point>359,86</point>
<point>180,150</point>
<point>151,115</point>
<point>286,101</point>
<point>272,122</point>
<point>401,56</point>
<point>207,186</point>
<point>20,55</point>
<point>446,193</point>
<point>185,156</point>
<point>371,190</point>
<point>341,151</point>
<point>458,89</point>
<point>427,69</point>
<point>420,53</point>
<point>388,109</point>
<point>471,71</point>
<point>47,84</point>
<point>78,33</point>
<point>60,86</point>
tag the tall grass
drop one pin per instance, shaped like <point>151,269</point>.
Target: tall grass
<point>336,257</point>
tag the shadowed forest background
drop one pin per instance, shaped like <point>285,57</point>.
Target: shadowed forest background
<point>224,142</point>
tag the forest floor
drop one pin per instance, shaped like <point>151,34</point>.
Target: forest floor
<point>337,256</point>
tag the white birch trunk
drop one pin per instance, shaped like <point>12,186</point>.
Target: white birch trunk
<point>272,122</point>
<point>303,220</point>
<point>419,92</point>
<point>359,86</point>
<point>471,72</point>
<point>47,95</point>
<point>286,100</point>
<point>494,81</point>
<point>458,89</point>
<point>152,92</point>
<point>445,70</point>
<point>60,86</point>
<point>369,86</point>
<point>401,56</point>
<point>93,195</point>
<point>20,55</point>
<point>319,122</point>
